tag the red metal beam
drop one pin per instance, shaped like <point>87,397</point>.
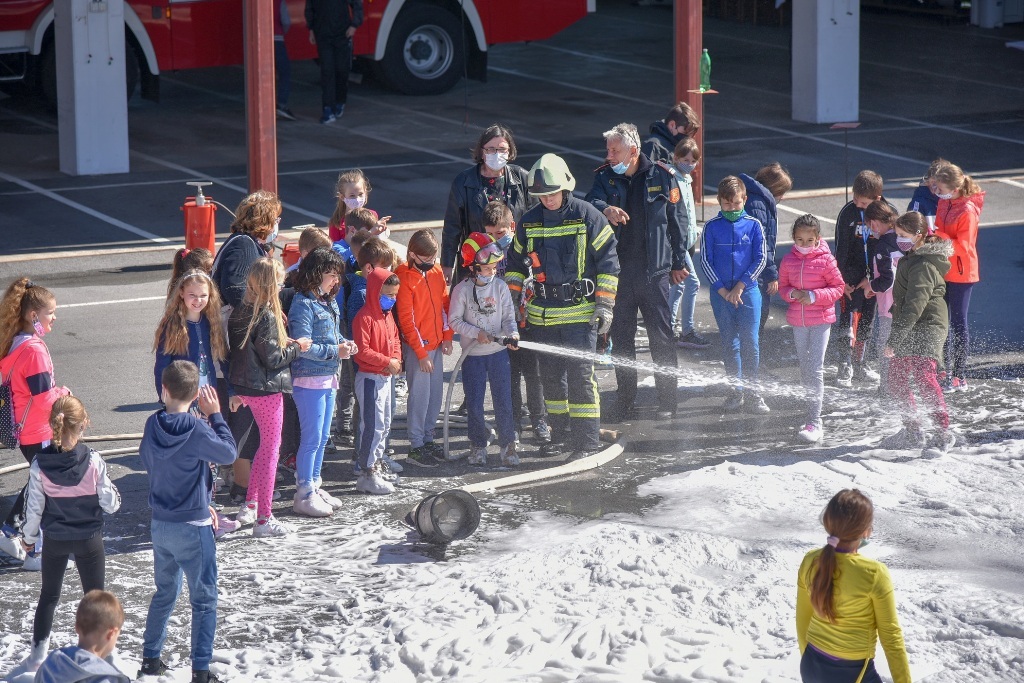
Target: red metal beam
<point>260,108</point>
<point>689,29</point>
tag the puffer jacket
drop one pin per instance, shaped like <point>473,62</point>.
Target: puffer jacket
<point>818,273</point>
<point>920,319</point>
<point>762,206</point>
<point>957,220</point>
<point>260,367</point>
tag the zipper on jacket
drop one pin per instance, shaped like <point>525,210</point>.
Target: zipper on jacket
<point>803,319</point>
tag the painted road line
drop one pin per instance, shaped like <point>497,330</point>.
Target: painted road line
<point>162,297</point>
<point>1014,183</point>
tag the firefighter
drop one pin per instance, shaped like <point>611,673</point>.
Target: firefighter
<point>569,249</point>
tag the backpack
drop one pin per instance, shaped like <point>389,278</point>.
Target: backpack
<point>9,429</point>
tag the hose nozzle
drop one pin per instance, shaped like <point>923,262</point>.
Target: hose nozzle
<point>507,341</point>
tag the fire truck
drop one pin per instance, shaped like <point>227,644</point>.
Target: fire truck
<point>418,47</point>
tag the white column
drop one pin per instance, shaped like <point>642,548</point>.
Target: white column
<point>826,60</point>
<point>92,104</point>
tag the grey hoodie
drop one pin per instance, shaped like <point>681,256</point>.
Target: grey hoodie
<point>75,665</point>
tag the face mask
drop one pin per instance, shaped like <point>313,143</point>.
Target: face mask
<point>620,167</point>
<point>804,250</point>
<point>483,279</point>
<point>732,216</point>
<point>354,203</point>
<point>905,243</point>
<point>496,162</point>
<point>38,327</point>
<point>944,196</point>
<point>686,168</point>
<point>272,236</point>
<point>386,302</point>
<point>505,241</point>
<point>424,267</point>
<point>864,542</point>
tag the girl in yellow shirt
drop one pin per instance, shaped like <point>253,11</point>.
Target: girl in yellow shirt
<point>845,602</point>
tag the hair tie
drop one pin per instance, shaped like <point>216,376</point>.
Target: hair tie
<point>185,252</point>
<point>833,541</point>
<point>29,284</point>
<point>60,416</point>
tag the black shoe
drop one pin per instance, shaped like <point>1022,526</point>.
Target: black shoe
<point>421,457</point>
<point>152,666</point>
<point>203,676</point>
<point>552,448</point>
<point>285,113</point>
<point>462,410</point>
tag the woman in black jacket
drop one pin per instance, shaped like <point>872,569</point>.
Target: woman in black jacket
<point>260,355</point>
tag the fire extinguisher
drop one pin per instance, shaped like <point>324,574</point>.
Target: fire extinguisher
<point>200,226</point>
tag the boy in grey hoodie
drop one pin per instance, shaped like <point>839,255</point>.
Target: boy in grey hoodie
<point>98,624</point>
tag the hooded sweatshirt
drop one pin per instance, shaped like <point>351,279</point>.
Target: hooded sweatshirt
<point>957,220</point>
<point>661,143</point>
<point>422,308</point>
<point>815,272</point>
<point>33,389</point>
<point>482,307</point>
<point>176,449</point>
<point>75,665</point>
<point>374,331</point>
<point>68,492</point>
<point>920,320</point>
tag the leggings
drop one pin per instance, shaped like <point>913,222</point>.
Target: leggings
<point>958,342</point>
<point>269,414</point>
<point>91,567</point>
<point>921,372</point>
<point>16,517</point>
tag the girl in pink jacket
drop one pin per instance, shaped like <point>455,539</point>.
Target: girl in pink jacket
<point>810,282</point>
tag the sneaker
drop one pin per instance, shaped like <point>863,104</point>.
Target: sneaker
<point>386,472</point>
<point>454,455</point>
<point>905,439</point>
<point>204,676</point>
<point>551,449</point>
<point>938,443</point>
<point>692,340</point>
<point>753,403</point>
<point>435,449</point>
<point>401,387</point>
<point>225,525</point>
<point>421,457</point>
<point>285,113</point>
<point>541,431</point>
<point>12,546</point>
<point>36,657</point>
<point>270,527</point>
<point>328,116</point>
<point>844,377</point>
<point>865,375</point>
<point>373,483</point>
<point>308,504</point>
<point>509,456</point>
<point>334,502</point>
<point>33,562</point>
<point>152,666</point>
<point>345,438</point>
<point>811,433</point>
<point>289,463</point>
<point>246,514</point>
<point>393,465</point>
<point>958,384</point>
<point>478,456</point>
<point>462,410</point>
<point>338,111</point>
<point>734,401</point>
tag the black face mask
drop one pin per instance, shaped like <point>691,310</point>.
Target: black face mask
<point>424,267</point>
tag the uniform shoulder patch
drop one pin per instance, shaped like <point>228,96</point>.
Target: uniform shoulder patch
<point>538,224</point>
<point>674,195</point>
<point>654,188</point>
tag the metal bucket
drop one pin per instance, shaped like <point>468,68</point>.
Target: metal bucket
<point>447,516</point>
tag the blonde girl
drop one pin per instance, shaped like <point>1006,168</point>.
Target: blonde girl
<point>191,329</point>
<point>353,192</point>
<point>845,602</point>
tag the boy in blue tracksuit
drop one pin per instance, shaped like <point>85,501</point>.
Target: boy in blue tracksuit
<point>177,449</point>
<point>733,254</point>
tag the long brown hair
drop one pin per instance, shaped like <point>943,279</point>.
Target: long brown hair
<point>67,421</point>
<point>953,176</point>
<point>21,298</point>
<point>848,517</point>
<point>261,292</point>
<point>172,332</point>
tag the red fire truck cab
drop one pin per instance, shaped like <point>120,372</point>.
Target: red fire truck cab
<point>418,47</point>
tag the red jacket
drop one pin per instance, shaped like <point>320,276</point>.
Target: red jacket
<point>818,273</point>
<point>32,387</point>
<point>422,308</point>
<point>957,220</point>
<point>374,331</point>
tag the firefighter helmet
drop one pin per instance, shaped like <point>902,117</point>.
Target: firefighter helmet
<point>550,175</point>
<point>480,249</point>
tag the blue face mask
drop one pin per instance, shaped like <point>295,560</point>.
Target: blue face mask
<point>386,302</point>
<point>505,241</point>
<point>620,167</point>
<point>686,168</point>
<point>483,279</point>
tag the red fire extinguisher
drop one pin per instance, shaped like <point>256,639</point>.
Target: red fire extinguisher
<point>200,226</point>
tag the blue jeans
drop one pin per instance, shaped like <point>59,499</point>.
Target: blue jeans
<point>315,407</point>
<point>179,547</point>
<point>682,299</point>
<point>477,371</point>
<point>737,326</point>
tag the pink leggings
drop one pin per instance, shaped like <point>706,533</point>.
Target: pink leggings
<point>907,373</point>
<point>269,414</point>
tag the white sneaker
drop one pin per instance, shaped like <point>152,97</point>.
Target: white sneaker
<point>393,465</point>
<point>225,525</point>
<point>811,433</point>
<point>246,515</point>
<point>509,457</point>
<point>12,546</point>
<point>373,483</point>
<point>335,503</point>
<point>36,658</point>
<point>307,503</point>
<point>270,528</point>
<point>478,456</point>
<point>33,562</point>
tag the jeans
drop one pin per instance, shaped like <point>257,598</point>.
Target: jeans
<point>907,373</point>
<point>682,300</point>
<point>183,548</point>
<point>737,326</point>
<point>335,63</point>
<point>315,406</point>
<point>810,353</point>
<point>958,342</point>
<point>477,372</point>
<point>345,401</point>
<point>91,565</point>
<point>373,392</point>
<point>423,404</point>
<point>650,298</point>
<point>817,667</point>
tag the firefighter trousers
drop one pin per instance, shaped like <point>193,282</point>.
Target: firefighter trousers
<point>570,389</point>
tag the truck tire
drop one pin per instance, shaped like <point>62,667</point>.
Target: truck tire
<point>48,71</point>
<point>426,51</point>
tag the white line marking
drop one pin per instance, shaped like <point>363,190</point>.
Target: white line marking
<point>116,301</point>
<point>954,129</point>
<point>84,209</point>
<point>800,212</point>
<point>1011,182</point>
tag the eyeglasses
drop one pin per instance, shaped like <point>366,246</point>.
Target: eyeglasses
<point>277,221</point>
<point>496,150</point>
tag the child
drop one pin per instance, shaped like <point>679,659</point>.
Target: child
<point>843,599</point>
<point>186,260</point>
<point>810,282</point>
<point>191,329</point>
<point>426,337</point>
<point>525,366</point>
<point>482,313</point>
<point>309,239</point>
<point>920,324</point>
<point>683,296</point>
<point>98,623</point>
<point>353,192</point>
<point>332,23</point>
<point>956,219</point>
<point>314,315</point>
<point>68,492</point>
<point>854,248</point>
<point>732,253</point>
<point>176,450</point>
<point>378,360</point>
<point>666,134</point>
<point>925,201</point>
<point>764,192</point>
<point>881,219</point>
<point>260,355</point>
<point>27,314</point>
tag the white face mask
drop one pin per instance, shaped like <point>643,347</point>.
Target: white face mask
<point>905,243</point>
<point>496,161</point>
<point>354,203</point>
<point>945,196</point>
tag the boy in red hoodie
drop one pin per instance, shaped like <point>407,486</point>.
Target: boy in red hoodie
<point>378,359</point>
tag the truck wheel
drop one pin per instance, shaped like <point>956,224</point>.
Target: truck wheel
<point>48,72</point>
<point>426,52</point>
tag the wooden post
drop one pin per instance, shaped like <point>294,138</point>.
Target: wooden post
<point>260,107</point>
<point>689,28</point>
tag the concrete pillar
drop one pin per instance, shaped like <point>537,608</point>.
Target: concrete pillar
<point>826,60</point>
<point>92,102</point>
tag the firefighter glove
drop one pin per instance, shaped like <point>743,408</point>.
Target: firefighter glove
<point>602,318</point>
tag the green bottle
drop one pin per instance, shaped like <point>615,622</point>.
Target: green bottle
<point>705,71</point>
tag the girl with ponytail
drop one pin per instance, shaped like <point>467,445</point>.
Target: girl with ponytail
<point>845,602</point>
